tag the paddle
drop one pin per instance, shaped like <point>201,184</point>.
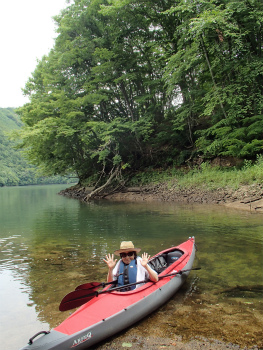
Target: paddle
<point>94,285</point>
<point>79,296</point>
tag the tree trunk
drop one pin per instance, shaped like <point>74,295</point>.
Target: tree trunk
<point>114,174</point>
<point>211,73</point>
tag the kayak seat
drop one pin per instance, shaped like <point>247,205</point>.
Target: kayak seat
<point>161,262</point>
<point>173,256</point>
<point>158,263</point>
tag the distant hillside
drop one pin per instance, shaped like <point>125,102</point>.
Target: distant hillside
<point>14,169</point>
<point>9,120</point>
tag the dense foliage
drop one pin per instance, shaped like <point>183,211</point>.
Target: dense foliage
<point>14,169</point>
<point>207,176</point>
<point>152,83</point>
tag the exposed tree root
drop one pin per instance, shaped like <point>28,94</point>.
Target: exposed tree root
<point>115,174</point>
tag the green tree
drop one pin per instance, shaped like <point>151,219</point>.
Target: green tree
<point>219,61</point>
<point>98,97</point>
<point>134,84</point>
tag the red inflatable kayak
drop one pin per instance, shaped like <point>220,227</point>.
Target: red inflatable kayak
<point>112,311</point>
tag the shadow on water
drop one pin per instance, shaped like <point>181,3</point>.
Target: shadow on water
<point>57,243</point>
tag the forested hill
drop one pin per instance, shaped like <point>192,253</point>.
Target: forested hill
<point>132,85</point>
<point>9,120</point>
<point>14,169</point>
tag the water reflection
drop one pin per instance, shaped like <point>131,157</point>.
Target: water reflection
<point>55,243</point>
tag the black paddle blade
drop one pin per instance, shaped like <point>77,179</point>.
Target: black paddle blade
<point>75,299</point>
<point>91,285</point>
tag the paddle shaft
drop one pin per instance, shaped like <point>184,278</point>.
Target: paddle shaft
<point>94,285</point>
<point>180,272</point>
<point>81,299</point>
<point>144,281</point>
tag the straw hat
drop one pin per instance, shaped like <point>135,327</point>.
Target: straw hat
<point>127,247</point>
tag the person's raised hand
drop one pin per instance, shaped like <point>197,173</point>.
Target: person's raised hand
<point>145,259</point>
<point>110,261</point>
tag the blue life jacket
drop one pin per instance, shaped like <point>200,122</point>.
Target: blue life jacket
<point>127,274</point>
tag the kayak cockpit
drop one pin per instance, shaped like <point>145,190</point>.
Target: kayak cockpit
<point>162,261</point>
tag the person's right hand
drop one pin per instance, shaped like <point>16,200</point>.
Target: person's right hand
<point>110,261</point>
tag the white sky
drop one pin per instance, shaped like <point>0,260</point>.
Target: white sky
<point>27,32</point>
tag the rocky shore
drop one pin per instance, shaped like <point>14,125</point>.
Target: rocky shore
<point>249,198</point>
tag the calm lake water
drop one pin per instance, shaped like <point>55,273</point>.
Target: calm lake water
<point>50,244</point>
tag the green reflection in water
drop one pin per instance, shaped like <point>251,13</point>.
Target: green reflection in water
<point>51,244</point>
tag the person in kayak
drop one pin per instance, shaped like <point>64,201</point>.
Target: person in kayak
<point>130,268</point>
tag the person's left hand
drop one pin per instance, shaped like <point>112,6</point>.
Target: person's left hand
<point>145,259</point>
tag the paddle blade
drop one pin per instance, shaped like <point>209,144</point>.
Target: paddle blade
<point>75,299</point>
<point>91,285</point>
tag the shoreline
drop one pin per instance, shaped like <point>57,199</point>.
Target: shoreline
<point>247,197</point>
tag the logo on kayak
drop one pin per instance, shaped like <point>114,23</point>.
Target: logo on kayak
<point>81,340</point>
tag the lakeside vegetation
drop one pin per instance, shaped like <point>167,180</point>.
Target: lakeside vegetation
<point>136,85</point>
<point>212,177</point>
<point>15,170</point>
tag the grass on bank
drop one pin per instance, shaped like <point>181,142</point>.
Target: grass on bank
<point>212,177</point>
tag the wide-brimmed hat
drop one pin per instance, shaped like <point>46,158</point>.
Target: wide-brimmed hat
<point>127,246</point>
